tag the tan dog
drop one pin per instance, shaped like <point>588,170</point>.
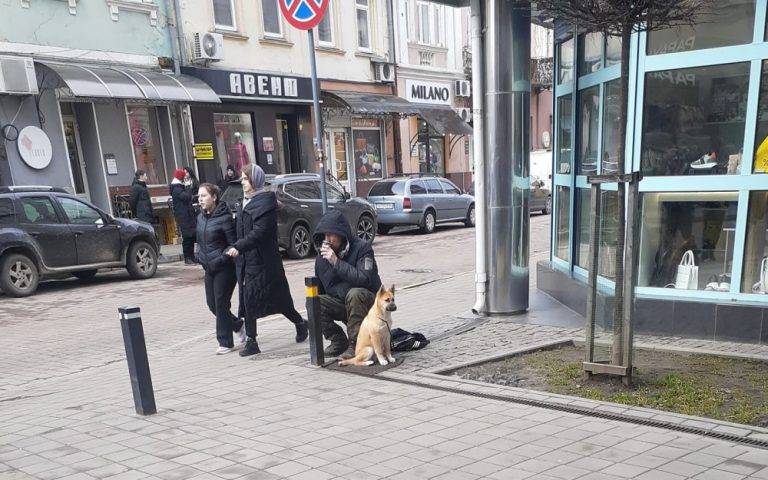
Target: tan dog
<point>374,336</point>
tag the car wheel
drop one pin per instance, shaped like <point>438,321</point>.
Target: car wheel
<point>141,261</point>
<point>469,222</point>
<point>383,229</point>
<point>428,222</point>
<point>18,275</point>
<point>547,206</point>
<point>366,229</point>
<point>85,275</point>
<point>301,243</point>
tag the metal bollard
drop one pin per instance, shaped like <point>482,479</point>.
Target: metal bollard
<point>138,364</point>
<point>316,354</point>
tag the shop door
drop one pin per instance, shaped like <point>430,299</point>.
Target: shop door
<point>282,147</point>
<point>339,158</point>
<point>75,154</point>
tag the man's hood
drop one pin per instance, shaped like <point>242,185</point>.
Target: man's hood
<point>333,222</point>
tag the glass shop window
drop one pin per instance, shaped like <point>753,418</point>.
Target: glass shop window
<point>146,142</point>
<point>721,24</point>
<point>674,224</point>
<point>234,141</point>
<point>612,51</point>
<point>606,260</point>
<point>760,163</point>
<point>590,53</point>
<point>589,111</point>
<point>694,120</point>
<point>562,222</point>
<point>581,227</point>
<point>565,63</point>
<point>755,268</point>
<point>612,142</point>
<point>564,137</point>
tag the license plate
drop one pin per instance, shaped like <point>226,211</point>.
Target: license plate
<point>385,206</point>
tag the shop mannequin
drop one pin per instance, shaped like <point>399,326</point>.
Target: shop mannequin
<point>238,153</point>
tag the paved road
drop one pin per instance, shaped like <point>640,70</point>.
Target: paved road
<point>69,327</point>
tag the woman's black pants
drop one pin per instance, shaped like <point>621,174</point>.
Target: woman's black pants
<point>218,293</point>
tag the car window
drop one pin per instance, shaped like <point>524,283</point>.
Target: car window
<point>333,193</point>
<point>450,188</point>
<point>387,189</point>
<point>418,188</point>
<point>38,210</point>
<point>79,213</point>
<point>433,186</point>
<point>7,214</point>
<point>307,190</point>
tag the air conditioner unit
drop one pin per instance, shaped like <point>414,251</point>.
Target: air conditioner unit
<point>465,114</point>
<point>384,72</point>
<point>17,76</point>
<point>208,47</point>
<point>463,88</point>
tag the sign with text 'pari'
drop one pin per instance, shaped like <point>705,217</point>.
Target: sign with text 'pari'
<point>303,14</point>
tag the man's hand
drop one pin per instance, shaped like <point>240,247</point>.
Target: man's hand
<point>232,252</point>
<point>327,253</point>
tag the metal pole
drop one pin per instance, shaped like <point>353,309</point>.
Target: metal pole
<point>318,118</point>
<point>316,354</point>
<point>138,364</point>
<point>507,144</point>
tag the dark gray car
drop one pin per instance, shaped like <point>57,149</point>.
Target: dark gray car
<point>300,208</point>
<point>423,201</point>
<point>45,232</point>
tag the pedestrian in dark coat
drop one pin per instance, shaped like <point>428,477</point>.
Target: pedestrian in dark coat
<point>184,213</point>
<point>261,278</point>
<point>215,234</point>
<point>140,201</point>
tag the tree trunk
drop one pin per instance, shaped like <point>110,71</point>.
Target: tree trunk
<point>617,353</point>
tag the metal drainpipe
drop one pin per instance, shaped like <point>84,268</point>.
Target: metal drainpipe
<point>179,58</point>
<point>478,136</point>
<point>507,149</point>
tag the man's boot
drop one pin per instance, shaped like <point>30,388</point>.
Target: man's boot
<point>350,352</point>
<point>339,344</point>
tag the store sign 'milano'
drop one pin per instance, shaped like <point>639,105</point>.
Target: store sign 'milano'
<point>428,92</point>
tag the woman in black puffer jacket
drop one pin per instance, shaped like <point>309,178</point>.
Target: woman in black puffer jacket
<point>215,234</point>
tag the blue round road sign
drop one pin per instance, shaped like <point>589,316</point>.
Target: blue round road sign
<point>303,14</point>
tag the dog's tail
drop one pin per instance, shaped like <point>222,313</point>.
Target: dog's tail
<point>361,359</point>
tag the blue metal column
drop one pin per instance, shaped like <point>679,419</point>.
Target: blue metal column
<point>507,148</point>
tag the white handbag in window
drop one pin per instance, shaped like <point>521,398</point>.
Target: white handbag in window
<point>762,285</point>
<point>687,273</point>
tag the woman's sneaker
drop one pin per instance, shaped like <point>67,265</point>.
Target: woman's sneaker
<point>224,350</point>
<point>250,348</point>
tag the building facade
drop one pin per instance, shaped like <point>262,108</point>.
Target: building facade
<point>698,134</point>
<point>89,97</point>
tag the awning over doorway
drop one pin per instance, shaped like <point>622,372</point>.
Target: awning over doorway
<point>128,83</point>
<point>442,118</point>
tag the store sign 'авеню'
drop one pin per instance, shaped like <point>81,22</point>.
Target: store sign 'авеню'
<point>255,85</point>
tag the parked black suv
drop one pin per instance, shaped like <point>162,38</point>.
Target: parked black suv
<point>46,232</point>
<point>300,208</point>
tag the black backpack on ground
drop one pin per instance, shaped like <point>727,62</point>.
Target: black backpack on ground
<point>403,341</point>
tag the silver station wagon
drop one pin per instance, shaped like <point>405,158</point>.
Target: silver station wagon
<point>423,201</point>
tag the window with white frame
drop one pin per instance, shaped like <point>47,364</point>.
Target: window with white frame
<point>430,25</point>
<point>224,14</point>
<point>325,34</point>
<point>270,14</point>
<point>363,10</point>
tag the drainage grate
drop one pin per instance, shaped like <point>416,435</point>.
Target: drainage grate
<point>579,411</point>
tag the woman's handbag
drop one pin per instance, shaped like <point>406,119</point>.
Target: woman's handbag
<point>762,285</point>
<point>687,273</point>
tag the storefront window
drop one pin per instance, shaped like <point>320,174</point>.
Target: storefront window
<point>581,226</point>
<point>722,23</point>
<point>694,120</point>
<point>431,149</point>
<point>590,53</point>
<point>145,139</point>
<point>612,141</point>
<point>760,164</point>
<point>367,154</point>
<point>589,111</point>
<point>562,223</point>
<point>612,51</point>
<point>676,223</point>
<point>565,64</point>
<point>755,276</point>
<point>234,140</point>
<point>606,262</point>
<point>564,128</point>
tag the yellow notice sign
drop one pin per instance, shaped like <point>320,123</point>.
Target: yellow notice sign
<point>204,151</point>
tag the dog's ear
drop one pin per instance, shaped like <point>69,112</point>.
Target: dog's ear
<point>381,290</point>
<point>392,289</point>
